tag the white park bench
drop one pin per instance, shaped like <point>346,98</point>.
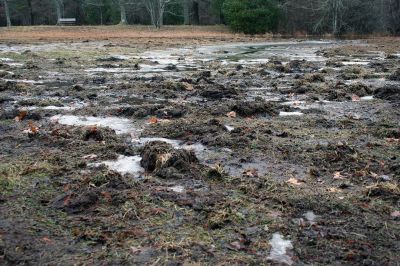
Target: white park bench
<point>67,21</point>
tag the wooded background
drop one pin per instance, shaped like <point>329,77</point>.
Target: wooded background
<point>296,16</point>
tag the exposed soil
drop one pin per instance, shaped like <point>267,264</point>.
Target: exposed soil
<point>206,152</point>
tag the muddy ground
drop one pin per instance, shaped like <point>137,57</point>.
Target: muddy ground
<point>280,152</point>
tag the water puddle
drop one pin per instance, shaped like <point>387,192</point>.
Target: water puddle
<point>124,165</point>
<point>27,81</point>
<point>120,125</point>
<point>355,63</point>
<point>279,249</point>
<point>290,114</point>
<point>204,154</point>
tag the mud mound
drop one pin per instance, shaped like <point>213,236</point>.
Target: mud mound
<point>395,76</point>
<point>389,92</point>
<point>300,65</point>
<point>165,161</point>
<point>217,92</point>
<point>75,202</point>
<point>8,85</point>
<point>249,108</point>
<point>360,89</point>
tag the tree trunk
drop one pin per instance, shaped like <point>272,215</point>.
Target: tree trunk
<point>31,12</point>
<point>7,10</point>
<point>58,10</point>
<point>186,12</point>
<point>123,12</point>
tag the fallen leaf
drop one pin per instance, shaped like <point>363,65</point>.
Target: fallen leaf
<point>106,196</point>
<point>21,116</point>
<point>338,176</point>
<point>355,98</point>
<point>250,172</point>
<point>392,140</point>
<point>33,128</point>
<point>153,120</point>
<point>46,240</point>
<point>231,114</point>
<point>295,181</point>
<point>236,245</point>
<point>188,86</point>
<point>92,129</point>
<point>136,250</point>
<point>395,214</point>
<point>89,157</point>
<point>333,190</point>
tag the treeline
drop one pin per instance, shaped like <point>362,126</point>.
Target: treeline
<point>250,16</point>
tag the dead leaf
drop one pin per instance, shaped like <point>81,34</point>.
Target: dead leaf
<point>392,140</point>
<point>46,240</point>
<point>295,181</point>
<point>89,157</point>
<point>136,250</point>
<point>231,114</point>
<point>236,245</point>
<point>355,98</point>
<point>92,129</point>
<point>250,172</point>
<point>106,195</point>
<point>34,129</point>
<point>338,176</point>
<point>395,214</point>
<point>333,190</point>
<point>21,116</point>
<point>153,120</point>
<point>188,86</point>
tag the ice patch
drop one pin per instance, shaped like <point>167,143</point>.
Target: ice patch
<point>229,128</point>
<point>290,114</point>
<point>120,125</point>
<point>24,81</point>
<point>310,216</point>
<point>143,141</point>
<point>125,165</point>
<point>279,249</point>
<point>354,63</point>
<point>177,189</point>
<point>367,98</point>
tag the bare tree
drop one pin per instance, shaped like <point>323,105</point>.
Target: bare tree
<point>156,9</point>
<point>122,10</point>
<point>7,11</point>
<point>58,6</point>
<point>186,11</point>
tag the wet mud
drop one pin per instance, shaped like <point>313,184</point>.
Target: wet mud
<point>283,152</point>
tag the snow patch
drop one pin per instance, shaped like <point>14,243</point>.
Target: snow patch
<point>120,125</point>
<point>279,248</point>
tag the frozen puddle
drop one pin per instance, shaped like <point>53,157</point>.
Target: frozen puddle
<point>120,125</point>
<point>229,128</point>
<point>143,141</point>
<point>290,114</point>
<point>354,63</point>
<point>367,98</point>
<point>311,217</point>
<point>25,81</point>
<point>202,152</point>
<point>125,165</point>
<point>177,189</point>
<point>279,248</point>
